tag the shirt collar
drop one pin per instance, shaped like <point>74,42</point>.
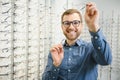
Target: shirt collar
<point>77,43</point>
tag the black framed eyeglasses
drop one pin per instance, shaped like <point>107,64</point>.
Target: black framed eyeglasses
<point>75,23</point>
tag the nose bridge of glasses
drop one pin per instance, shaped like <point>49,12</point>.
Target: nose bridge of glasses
<point>71,23</point>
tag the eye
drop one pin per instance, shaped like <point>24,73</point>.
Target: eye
<point>76,22</point>
<point>66,23</point>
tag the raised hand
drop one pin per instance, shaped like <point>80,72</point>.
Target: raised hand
<point>91,17</point>
<point>57,53</point>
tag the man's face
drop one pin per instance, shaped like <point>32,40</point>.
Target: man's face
<point>72,26</point>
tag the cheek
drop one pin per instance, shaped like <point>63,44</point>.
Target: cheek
<point>79,30</point>
<point>63,29</point>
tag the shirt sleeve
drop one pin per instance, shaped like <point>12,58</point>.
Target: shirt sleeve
<point>102,52</point>
<point>51,72</point>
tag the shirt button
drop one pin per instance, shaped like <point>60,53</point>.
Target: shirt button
<point>99,48</point>
<point>70,49</point>
<point>96,37</point>
<point>69,59</point>
<point>53,77</point>
<point>54,69</point>
<point>69,70</point>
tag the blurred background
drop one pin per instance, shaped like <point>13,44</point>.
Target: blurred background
<point>28,28</point>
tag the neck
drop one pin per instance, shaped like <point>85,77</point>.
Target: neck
<point>71,42</point>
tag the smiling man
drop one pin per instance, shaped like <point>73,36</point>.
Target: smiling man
<point>77,59</point>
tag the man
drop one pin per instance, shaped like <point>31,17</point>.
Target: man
<point>77,59</point>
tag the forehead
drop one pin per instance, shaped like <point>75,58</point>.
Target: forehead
<point>71,17</point>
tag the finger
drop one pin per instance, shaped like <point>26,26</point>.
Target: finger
<point>90,8</point>
<point>54,47</point>
<point>57,48</point>
<point>61,47</point>
<point>88,5</point>
<point>93,10</point>
<point>87,8</point>
<point>52,50</point>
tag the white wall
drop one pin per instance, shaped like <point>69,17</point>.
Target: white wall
<point>29,27</point>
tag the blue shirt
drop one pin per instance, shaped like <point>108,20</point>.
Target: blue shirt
<point>80,60</point>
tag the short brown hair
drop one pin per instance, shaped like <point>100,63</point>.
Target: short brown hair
<point>71,11</point>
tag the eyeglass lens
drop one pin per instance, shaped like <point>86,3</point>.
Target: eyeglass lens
<point>75,23</point>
